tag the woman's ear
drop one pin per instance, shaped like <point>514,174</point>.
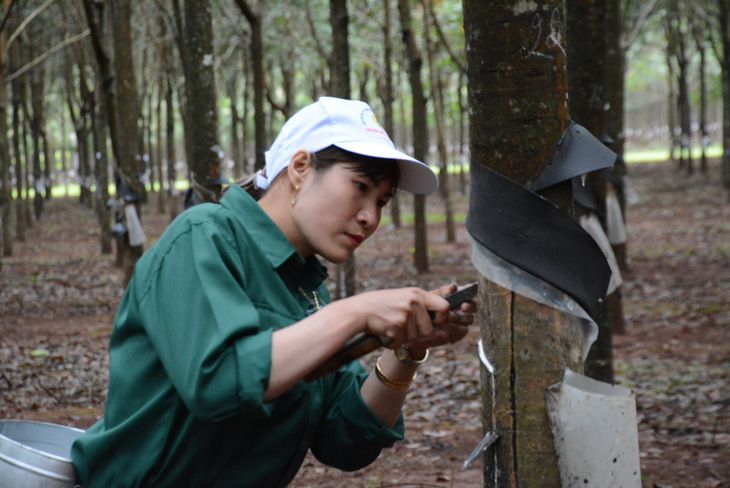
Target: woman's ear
<point>299,167</point>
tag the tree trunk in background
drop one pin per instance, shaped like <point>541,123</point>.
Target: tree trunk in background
<point>613,123</point>
<point>130,161</point>
<point>340,58</point>
<point>101,174</point>
<point>159,172</point>
<point>725,63</point>
<point>201,99</point>
<point>21,165</point>
<point>586,38</point>
<point>231,88</point>
<point>5,192</point>
<point>20,200</point>
<point>685,116</point>
<point>386,95</point>
<point>420,132</point>
<point>101,170</point>
<point>698,30</point>
<point>339,86</point>
<point>517,84</point>
<point>259,85</point>
<point>170,146</point>
<point>36,125</point>
<point>85,123</point>
<point>26,152</point>
<point>438,110</point>
<point>671,108</point>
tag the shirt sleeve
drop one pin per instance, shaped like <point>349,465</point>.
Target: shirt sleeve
<point>350,436</point>
<point>203,325</point>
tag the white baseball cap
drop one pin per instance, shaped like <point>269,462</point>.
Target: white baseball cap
<point>350,125</point>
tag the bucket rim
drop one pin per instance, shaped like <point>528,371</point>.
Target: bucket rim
<point>26,447</point>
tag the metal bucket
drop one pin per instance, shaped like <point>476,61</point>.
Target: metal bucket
<point>36,454</point>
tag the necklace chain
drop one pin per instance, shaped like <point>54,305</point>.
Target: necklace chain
<point>314,302</point>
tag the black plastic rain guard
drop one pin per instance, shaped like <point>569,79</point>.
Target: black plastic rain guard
<point>534,235</point>
<point>578,152</point>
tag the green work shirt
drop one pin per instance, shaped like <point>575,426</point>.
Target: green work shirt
<point>190,358</point>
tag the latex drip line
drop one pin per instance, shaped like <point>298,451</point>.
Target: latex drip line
<point>490,437</point>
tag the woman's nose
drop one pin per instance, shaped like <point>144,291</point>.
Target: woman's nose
<point>368,216</point>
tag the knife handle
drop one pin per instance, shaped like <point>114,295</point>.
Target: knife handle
<point>355,348</point>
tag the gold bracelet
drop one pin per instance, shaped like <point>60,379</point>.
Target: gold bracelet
<point>404,356</point>
<point>390,383</point>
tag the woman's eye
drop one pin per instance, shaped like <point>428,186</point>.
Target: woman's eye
<point>363,187</point>
<point>382,203</point>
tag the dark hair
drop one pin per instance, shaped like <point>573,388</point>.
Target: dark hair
<point>377,169</point>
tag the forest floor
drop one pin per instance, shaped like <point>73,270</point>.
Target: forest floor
<point>58,297</point>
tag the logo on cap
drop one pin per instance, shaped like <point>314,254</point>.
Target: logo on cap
<point>370,121</point>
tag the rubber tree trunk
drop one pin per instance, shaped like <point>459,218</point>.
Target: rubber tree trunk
<point>586,38</point>
<point>5,191</point>
<point>20,200</point>
<point>101,172</point>
<point>36,126</point>
<point>386,94</point>
<point>259,84</point>
<point>438,112</point>
<point>130,161</point>
<point>201,98</point>
<point>517,84</point>
<point>420,131</point>
<point>725,63</point>
<point>614,127</point>
<point>339,86</point>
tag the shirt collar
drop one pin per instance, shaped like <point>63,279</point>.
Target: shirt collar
<point>274,244</point>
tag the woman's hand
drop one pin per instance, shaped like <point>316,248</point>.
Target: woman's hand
<point>452,330</point>
<point>401,314</point>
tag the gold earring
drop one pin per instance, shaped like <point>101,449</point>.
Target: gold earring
<point>294,198</point>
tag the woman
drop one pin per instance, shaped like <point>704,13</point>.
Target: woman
<point>225,316</point>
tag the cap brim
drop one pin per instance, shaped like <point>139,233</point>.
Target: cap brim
<point>415,176</point>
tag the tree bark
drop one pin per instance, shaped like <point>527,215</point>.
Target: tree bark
<point>698,33</point>
<point>420,132</point>
<point>339,61</point>
<point>586,39</point>
<point>259,84</point>
<point>36,124</point>
<point>339,86</point>
<point>170,146</point>
<point>21,166</point>
<point>386,96</point>
<point>5,191</point>
<point>685,115</point>
<point>201,98</point>
<point>438,110</point>
<point>159,172</point>
<point>614,116</point>
<point>517,88</point>
<point>101,172</point>
<point>130,161</point>
<point>725,63</point>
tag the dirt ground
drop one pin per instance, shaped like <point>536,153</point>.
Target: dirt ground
<point>58,297</point>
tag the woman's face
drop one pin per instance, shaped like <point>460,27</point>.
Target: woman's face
<point>336,210</point>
